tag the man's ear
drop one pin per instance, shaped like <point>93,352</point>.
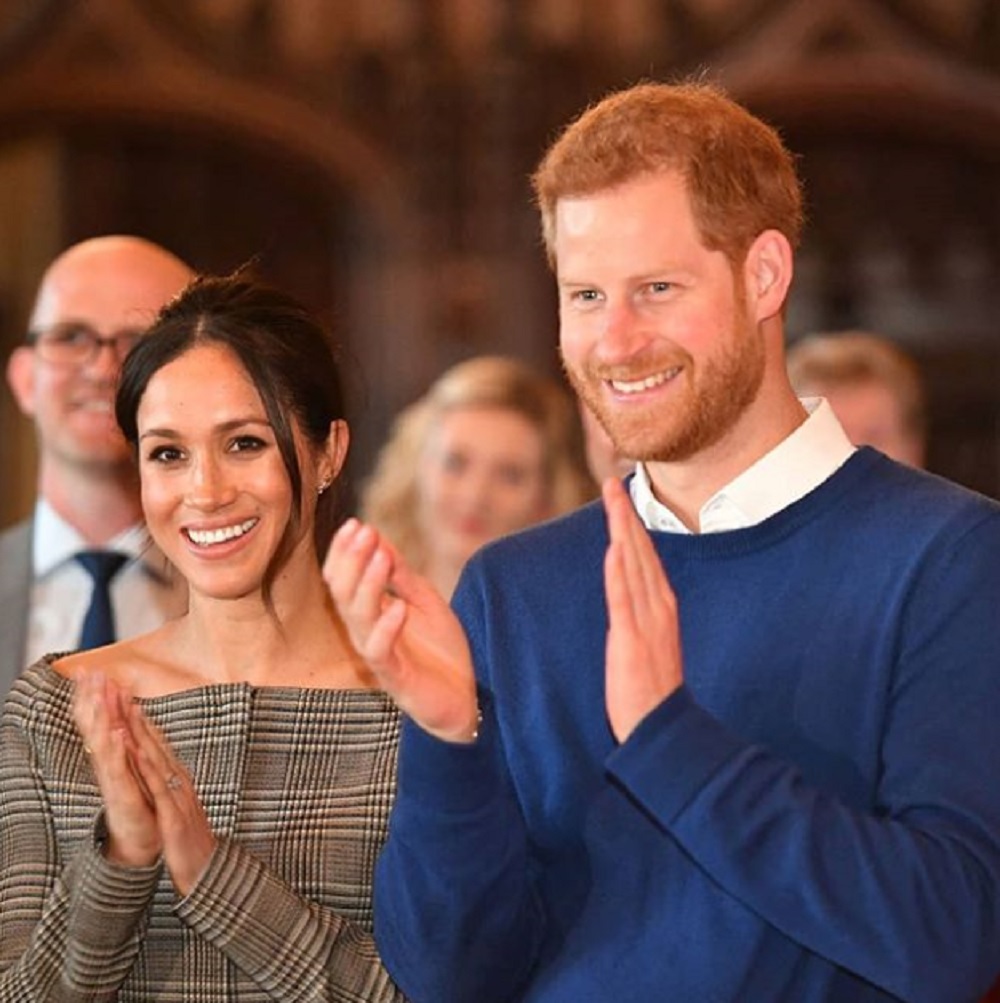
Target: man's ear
<point>767,272</point>
<point>21,378</point>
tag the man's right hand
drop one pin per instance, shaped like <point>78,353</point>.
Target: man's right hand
<point>405,631</point>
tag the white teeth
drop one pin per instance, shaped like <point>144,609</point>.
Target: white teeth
<point>637,386</point>
<point>96,405</point>
<point>206,537</point>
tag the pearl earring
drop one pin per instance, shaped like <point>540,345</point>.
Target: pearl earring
<point>324,485</point>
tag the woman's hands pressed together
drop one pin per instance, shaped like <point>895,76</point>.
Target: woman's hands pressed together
<point>150,803</point>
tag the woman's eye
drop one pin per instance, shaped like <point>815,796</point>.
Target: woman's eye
<point>512,476</point>
<point>164,454</point>
<point>247,444</point>
<point>454,463</point>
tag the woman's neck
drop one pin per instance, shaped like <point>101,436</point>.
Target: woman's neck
<point>298,642</point>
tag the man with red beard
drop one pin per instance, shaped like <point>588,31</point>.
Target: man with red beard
<point>93,302</point>
<point>748,761</point>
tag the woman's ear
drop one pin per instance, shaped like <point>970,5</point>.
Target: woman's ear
<point>768,273</point>
<point>334,453</point>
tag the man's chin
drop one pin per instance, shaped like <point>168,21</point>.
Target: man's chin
<point>104,459</point>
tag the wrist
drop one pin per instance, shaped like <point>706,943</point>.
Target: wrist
<point>468,734</point>
<point>121,856</point>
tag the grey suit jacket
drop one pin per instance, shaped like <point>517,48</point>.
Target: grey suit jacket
<point>15,592</point>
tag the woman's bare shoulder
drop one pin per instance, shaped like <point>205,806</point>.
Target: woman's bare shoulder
<point>120,662</point>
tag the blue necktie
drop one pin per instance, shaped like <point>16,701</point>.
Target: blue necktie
<point>99,623</point>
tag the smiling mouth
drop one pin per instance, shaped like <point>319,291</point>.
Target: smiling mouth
<point>211,537</point>
<point>627,387</point>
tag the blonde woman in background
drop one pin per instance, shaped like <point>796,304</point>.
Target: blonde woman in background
<point>492,447</point>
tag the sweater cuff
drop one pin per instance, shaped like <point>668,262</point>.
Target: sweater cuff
<point>108,913</point>
<point>223,897</point>
<point>238,906</point>
<point>290,947</point>
<point>448,777</point>
<point>671,754</point>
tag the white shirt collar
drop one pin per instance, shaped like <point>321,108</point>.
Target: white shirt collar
<point>797,465</point>
<point>55,541</point>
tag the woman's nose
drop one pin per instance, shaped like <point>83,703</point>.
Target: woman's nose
<point>210,487</point>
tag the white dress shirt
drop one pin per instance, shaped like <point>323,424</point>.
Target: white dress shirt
<point>797,465</point>
<point>144,593</point>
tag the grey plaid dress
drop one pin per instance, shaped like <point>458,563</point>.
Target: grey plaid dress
<point>297,785</point>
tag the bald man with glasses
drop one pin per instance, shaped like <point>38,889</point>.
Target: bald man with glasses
<point>80,571</point>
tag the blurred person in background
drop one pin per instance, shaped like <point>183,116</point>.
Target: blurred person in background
<point>873,386</point>
<point>492,447</point>
<point>94,302</point>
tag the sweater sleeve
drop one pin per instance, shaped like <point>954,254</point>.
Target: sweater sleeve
<point>904,894</point>
<point>292,948</point>
<point>455,914</point>
<point>69,930</point>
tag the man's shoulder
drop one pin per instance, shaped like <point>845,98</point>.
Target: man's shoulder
<point>583,528</point>
<point>918,495</point>
<point>17,533</point>
<point>15,546</point>
<point>880,510</point>
<point>543,559</point>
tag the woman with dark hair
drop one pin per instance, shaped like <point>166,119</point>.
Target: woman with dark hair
<point>195,813</point>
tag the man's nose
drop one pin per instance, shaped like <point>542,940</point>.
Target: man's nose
<point>104,360</point>
<point>621,331</point>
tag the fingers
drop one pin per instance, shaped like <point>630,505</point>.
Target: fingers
<point>187,837</point>
<point>155,761</point>
<point>348,570</point>
<point>621,613</point>
<point>360,571</point>
<point>102,711</point>
<point>385,633</point>
<point>97,710</point>
<point>639,565</point>
<point>350,551</point>
<point>642,653</point>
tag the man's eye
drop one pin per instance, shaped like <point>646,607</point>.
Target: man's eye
<point>72,335</point>
<point>127,340</point>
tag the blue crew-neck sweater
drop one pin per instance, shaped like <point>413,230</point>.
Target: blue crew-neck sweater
<point>813,816</point>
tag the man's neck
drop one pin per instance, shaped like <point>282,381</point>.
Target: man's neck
<point>97,504</point>
<point>684,486</point>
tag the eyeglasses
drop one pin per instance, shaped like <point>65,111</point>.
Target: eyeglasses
<point>75,343</point>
